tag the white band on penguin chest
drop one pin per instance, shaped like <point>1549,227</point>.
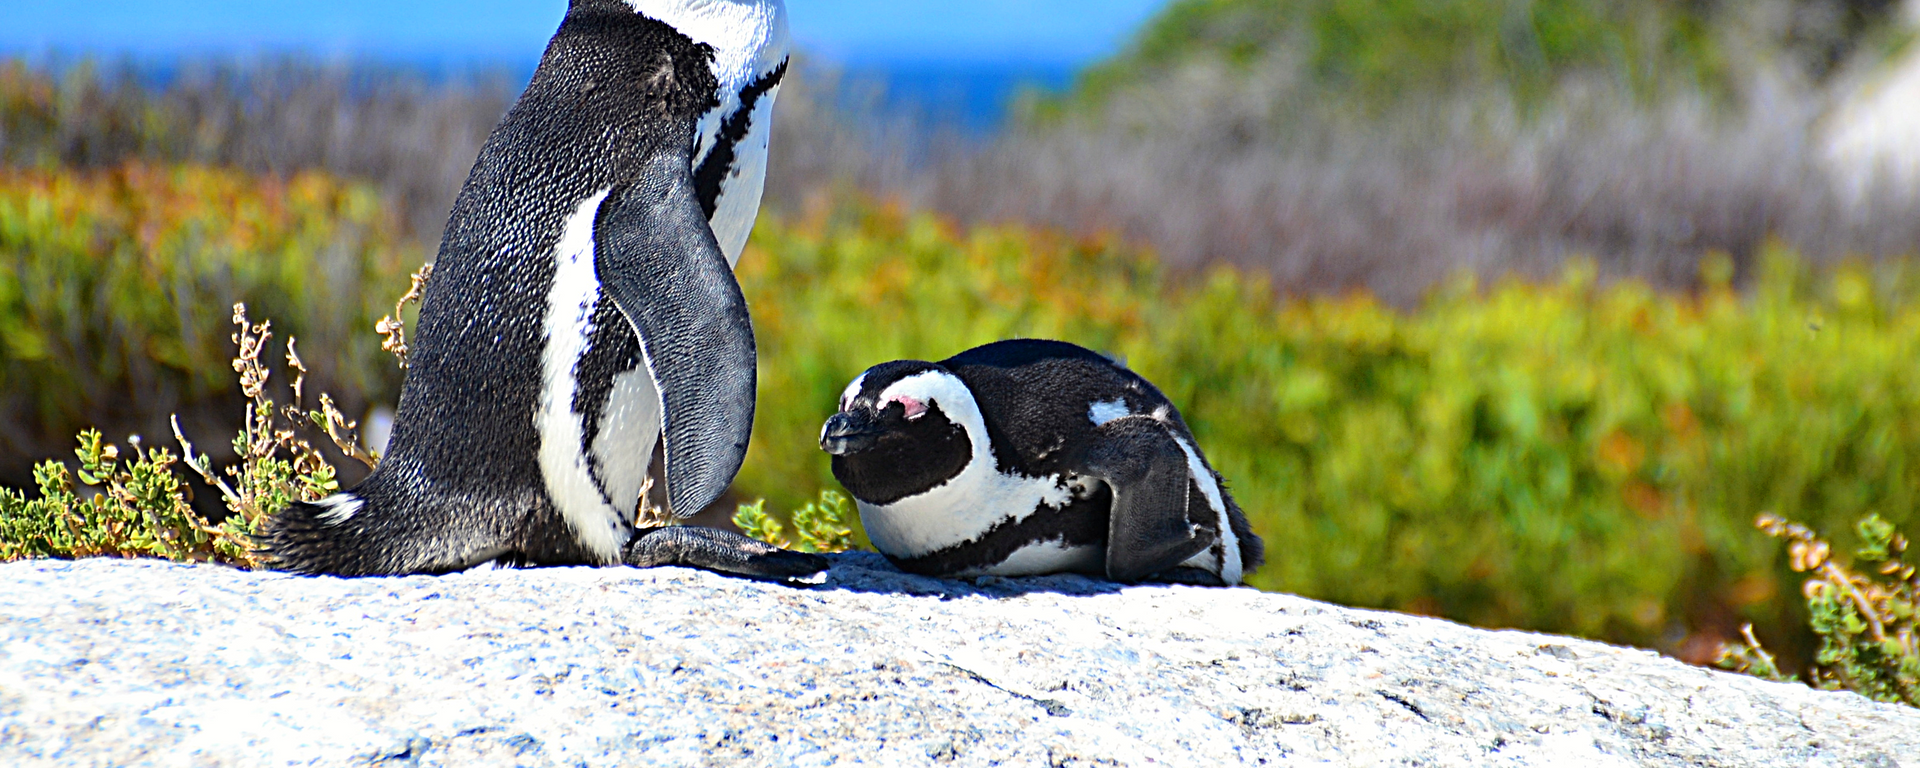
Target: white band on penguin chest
<point>564,462</point>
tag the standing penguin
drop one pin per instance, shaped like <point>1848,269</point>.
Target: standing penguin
<point>583,303</point>
<point>1025,457</point>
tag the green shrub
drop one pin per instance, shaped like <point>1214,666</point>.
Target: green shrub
<point>139,507</point>
<point>114,286</point>
<point>1867,614</point>
<point>1399,48</point>
<point>1568,457</point>
<point>825,524</point>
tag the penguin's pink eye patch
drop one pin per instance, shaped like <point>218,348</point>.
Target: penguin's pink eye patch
<point>915,408</point>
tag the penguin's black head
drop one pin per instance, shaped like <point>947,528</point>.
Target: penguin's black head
<point>902,428</point>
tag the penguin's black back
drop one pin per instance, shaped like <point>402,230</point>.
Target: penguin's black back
<point>461,480</point>
<point>610,78</point>
<point>1035,396</point>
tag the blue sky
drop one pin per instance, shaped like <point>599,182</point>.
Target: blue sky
<point>1043,32</point>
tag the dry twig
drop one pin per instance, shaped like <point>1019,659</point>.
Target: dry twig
<point>393,326</point>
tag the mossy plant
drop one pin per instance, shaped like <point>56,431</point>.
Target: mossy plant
<point>1866,614</point>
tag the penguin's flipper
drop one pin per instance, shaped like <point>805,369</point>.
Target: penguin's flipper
<point>656,256</point>
<point>1149,530</point>
<point>718,550</point>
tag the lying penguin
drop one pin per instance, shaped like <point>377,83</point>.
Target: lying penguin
<point>1025,457</point>
<point>583,305</point>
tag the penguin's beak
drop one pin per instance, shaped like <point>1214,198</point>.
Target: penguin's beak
<point>849,432</point>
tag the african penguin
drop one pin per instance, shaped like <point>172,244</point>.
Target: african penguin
<point>1025,457</point>
<point>583,303</point>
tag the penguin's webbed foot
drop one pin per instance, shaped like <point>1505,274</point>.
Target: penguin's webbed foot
<point>721,551</point>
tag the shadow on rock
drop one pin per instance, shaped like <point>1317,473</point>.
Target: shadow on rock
<point>871,572</point>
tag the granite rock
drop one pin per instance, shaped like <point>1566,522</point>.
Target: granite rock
<point>118,662</point>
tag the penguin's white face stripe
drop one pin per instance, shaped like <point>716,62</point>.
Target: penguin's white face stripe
<point>972,502</point>
<point>1230,566</point>
<point>569,323</point>
<point>750,41</point>
<point>1101,413</point>
<point>339,507</point>
<point>943,388</point>
<point>852,391</point>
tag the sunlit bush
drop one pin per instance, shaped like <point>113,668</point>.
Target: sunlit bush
<point>136,504</point>
<point>116,285</point>
<point>1571,456</point>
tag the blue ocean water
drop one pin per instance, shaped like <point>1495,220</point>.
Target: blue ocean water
<point>970,95</point>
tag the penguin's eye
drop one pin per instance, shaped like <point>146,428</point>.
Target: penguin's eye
<point>914,408</point>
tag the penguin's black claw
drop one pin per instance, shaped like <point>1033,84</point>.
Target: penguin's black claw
<point>1198,577</point>
<point>723,552</point>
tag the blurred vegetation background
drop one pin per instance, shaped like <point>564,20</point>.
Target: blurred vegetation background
<point>1516,312</point>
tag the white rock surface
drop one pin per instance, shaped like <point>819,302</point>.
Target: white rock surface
<point>132,663</point>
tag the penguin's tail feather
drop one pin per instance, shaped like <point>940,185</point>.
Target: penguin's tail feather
<point>328,536</point>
